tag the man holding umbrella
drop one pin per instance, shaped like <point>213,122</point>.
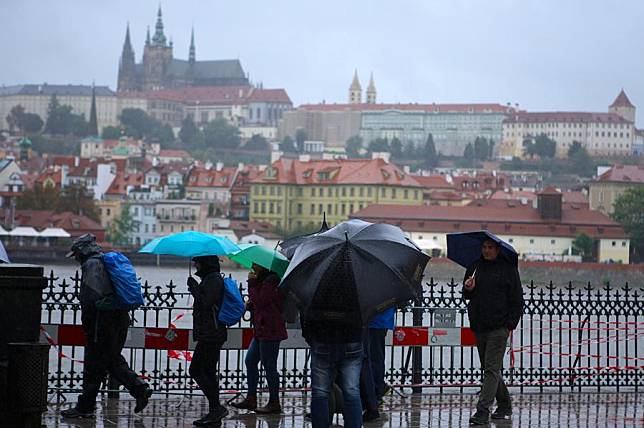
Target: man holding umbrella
<point>492,287</point>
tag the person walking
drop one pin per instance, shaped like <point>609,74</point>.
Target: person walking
<point>493,289</point>
<point>378,327</point>
<point>269,329</point>
<point>105,333</point>
<point>333,329</point>
<point>208,333</point>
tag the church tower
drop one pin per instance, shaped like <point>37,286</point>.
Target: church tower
<point>355,90</point>
<point>371,91</point>
<point>623,107</point>
<point>127,74</point>
<point>157,56</point>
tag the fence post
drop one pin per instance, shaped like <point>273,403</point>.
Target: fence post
<point>417,352</point>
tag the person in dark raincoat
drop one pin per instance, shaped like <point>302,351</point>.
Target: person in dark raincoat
<point>493,289</point>
<point>269,329</point>
<point>105,333</point>
<point>208,333</point>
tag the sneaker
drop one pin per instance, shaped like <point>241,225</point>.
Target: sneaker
<point>142,399</point>
<point>370,415</point>
<point>502,414</point>
<point>76,413</point>
<point>480,418</point>
<point>212,417</point>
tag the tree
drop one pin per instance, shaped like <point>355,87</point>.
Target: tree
<point>60,120</point>
<point>583,245</point>
<point>379,145</point>
<point>15,118</point>
<point>468,153</point>
<point>111,133</point>
<point>38,198</point>
<point>121,227</point>
<point>77,199</point>
<point>256,142</point>
<point>288,145</point>
<point>220,134</point>
<point>429,152</point>
<point>137,123</point>
<point>491,144</point>
<point>628,210</point>
<point>161,133</point>
<point>409,150</point>
<point>542,146</point>
<point>32,123</point>
<point>78,125</point>
<point>396,148</point>
<point>188,132</point>
<point>354,146</point>
<point>481,148</point>
<point>300,138</point>
<point>580,161</point>
<point>574,148</point>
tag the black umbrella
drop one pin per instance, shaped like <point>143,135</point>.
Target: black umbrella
<point>354,270</point>
<point>289,246</point>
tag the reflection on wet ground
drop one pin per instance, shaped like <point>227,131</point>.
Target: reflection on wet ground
<point>623,409</point>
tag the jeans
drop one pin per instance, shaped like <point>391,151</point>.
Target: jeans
<point>377,356</point>
<point>367,387</point>
<point>103,355</point>
<point>491,346</point>
<point>203,369</point>
<point>265,351</point>
<point>326,361</point>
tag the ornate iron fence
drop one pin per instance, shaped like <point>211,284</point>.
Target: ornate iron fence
<point>569,338</point>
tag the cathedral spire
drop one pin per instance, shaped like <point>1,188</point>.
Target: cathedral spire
<point>159,38</point>
<point>355,90</point>
<point>147,37</point>
<point>127,45</point>
<point>192,55</point>
<point>93,120</point>
<point>371,91</point>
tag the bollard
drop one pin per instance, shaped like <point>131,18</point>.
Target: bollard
<point>21,288</point>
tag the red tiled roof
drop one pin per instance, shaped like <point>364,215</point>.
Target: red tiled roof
<point>437,108</point>
<point>502,217</point>
<point>564,116</point>
<point>50,173</point>
<point>122,181</point>
<point>550,190</point>
<point>480,182</point>
<point>336,171</point>
<point>201,177</point>
<point>29,180</point>
<point>433,182</point>
<point>624,174</point>
<point>269,95</point>
<point>502,195</point>
<point>245,227</point>
<point>439,195</point>
<point>174,154</point>
<point>622,100</point>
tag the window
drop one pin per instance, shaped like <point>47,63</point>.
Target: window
<point>351,192</point>
<point>406,194</point>
<point>255,207</point>
<point>109,212</point>
<point>271,208</point>
<point>263,207</point>
<point>278,208</point>
<point>393,193</point>
<point>299,209</point>
<point>329,209</point>
<point>329,192</point>
<point>361,192</point>
<point>271,191</point>
<point>369,192</point>
<point>312,191</point>
<point>344,192</point>
<point>614,243</point>
<point>383,192</point>
<point>511,240</point>
<point>312,209</point>
<point>552,241</point>
<point>623,243</point>
<point>344,209</point>
<point>532,241</point>
<point>320,209</point>
<point>351,209</point>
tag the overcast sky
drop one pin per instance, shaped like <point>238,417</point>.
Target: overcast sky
<point>542,54</point>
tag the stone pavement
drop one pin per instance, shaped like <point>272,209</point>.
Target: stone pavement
<point>624,409</point>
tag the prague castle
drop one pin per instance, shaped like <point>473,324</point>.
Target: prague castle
<point>160,70</point>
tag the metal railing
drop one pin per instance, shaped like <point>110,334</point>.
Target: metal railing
<point>587,338</point>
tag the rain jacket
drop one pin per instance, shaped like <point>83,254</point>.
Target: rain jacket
<point>207,294</point>
<point>497,298</point>
<point>266,305</point>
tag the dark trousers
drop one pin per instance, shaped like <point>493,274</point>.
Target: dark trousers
<point>491,346</point>
<point>377,356</point>
<point>367,387</point>
<point>203,369</point>
<point>265,351</point>
<point>105,338</point>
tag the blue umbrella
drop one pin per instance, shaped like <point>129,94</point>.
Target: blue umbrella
<point>465,248</point>
<point>4,258</point>
<point>190,244</point>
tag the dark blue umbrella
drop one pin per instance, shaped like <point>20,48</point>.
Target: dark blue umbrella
<point>4,258</point>
<point>465,248</point>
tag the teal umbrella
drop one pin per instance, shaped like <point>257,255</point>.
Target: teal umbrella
<point>265,257</point>
<point>190,244</point>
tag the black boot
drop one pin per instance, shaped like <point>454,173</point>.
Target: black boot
<point>212,417</point>
<point>142,399</point>
<point>480,418</point>
<point>502,414</point>
<point>77,413</point>
<point>248,403</point>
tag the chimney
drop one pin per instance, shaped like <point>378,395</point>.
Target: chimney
<point>240,166</point>
<point>276,155</point>
<point>76,160</point>
<point>381,155</point>
<point>304,158</point>
<point>208,165</point>
<point>406,169</point>
<point>549,204</point>
<point>219,166</point>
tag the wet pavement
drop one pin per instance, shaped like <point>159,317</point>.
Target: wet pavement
<point>623,409</point>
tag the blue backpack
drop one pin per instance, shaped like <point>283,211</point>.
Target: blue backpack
<point>127,287</point>
<point>232,305</point>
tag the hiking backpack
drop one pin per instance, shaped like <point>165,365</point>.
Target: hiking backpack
<point>232,305</point>
<point>127,288</point>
